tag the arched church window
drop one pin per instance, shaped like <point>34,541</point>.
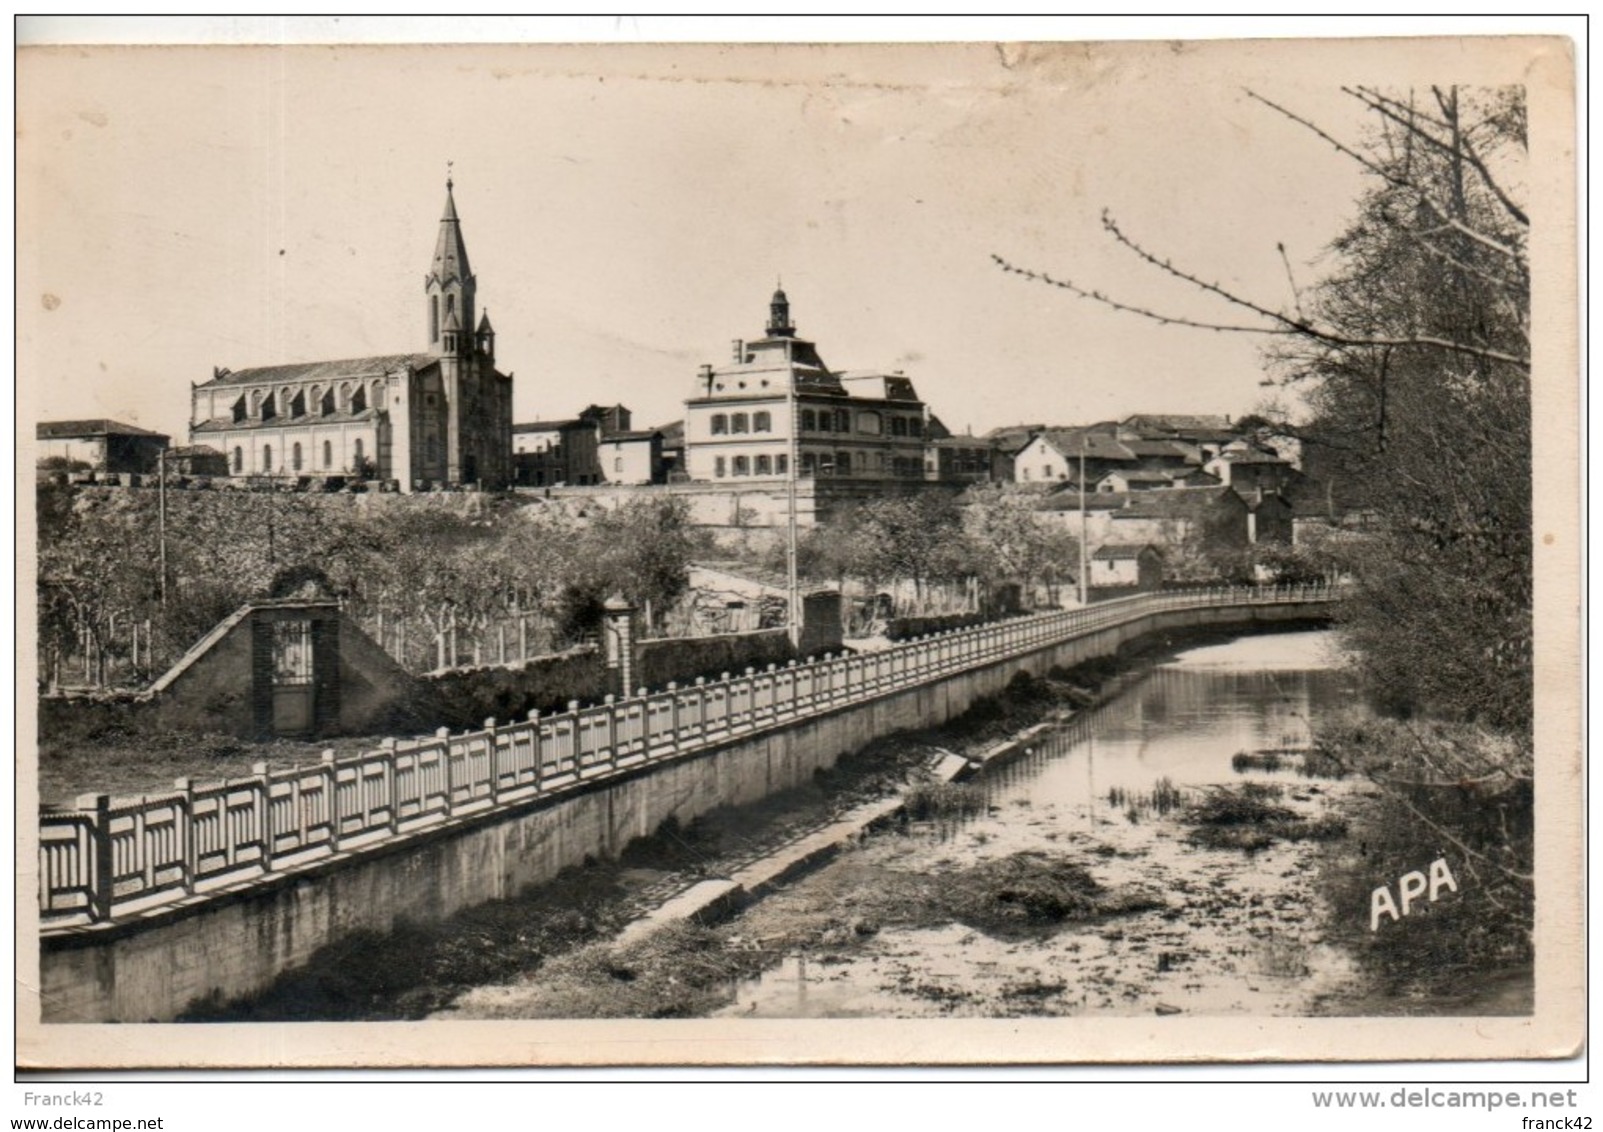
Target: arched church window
<point>295,457</point>
<point>267,457</point>
<point>345,397</point>
<point>328,454</point>
<point>239,457</point>
<point>357,449</point>
<point>434,318</point>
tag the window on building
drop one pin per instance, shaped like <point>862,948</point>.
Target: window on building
<point>738,423</point>
<point>356,450</point>
<point>742,465</point>
<point>1046,471</point>
<point>809,421</point>
<point>434,318</point>
<point>843,421</point>
<point>843,463</point>
<point>617,464</point>
<point>295,457</point>
<point>239,459</point>
<point>328,403</point>
<point>765,466</point>
<point>720,424</point>
<point>915,427</point>
<point>297,407</point>
<point>762,422</point>
<point>884,461</point>
<point>870,423</point>
<point>358,400</point>
<point>328,454</point>
<point>782,465</point>
<point>267,457</point>
<point>269,410</point>
<point>898,426</point>
<point>718,467</point>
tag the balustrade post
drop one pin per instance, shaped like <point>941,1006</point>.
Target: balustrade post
<point>392,785</point>
<point>100,891</point>
<point>610,702</point>
<point>673,714</point>
<point>331,796</point>
<point>264,814</point>
<point>443,734</point>
<point>493,760</point>
<point>536,750</point>
<point>186,830</point>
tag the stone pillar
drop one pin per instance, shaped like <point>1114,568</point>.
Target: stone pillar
<point>618,631</point>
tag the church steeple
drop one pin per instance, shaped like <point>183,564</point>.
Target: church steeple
<point>449,283</point>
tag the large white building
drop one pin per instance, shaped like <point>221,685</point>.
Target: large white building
<point>776,401</point>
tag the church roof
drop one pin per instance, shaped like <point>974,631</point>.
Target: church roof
<point>373,366</point>
<point>228,424</point>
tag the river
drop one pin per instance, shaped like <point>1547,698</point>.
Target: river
<point>1231,933</point>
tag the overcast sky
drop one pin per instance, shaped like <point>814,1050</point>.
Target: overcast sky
<point>627,211</point>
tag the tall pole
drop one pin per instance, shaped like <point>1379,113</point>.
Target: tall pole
<point>792,579</point>
<point>1085,583</point>
<point>161,522</point>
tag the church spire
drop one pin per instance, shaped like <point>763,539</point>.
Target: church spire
<point>449,284</point>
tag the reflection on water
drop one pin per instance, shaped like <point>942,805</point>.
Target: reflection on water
<point>1184,720</point>
<point>1235,935</point>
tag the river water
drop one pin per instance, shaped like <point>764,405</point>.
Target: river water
<point>1234,933</point>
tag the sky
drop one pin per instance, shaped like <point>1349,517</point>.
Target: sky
<point>628,209</point>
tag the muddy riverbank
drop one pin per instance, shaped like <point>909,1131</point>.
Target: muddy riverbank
<point>418,970</point>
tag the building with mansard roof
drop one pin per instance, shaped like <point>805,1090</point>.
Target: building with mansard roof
<point>441,415</point>
<point>860,426</point>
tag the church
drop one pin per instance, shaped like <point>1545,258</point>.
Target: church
<point>442,416</point>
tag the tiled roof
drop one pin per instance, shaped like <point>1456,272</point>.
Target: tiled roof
<point>552,426</point>
<point>1178,422</point>
<point>374,366</point>
<point>1096,445</point>
<point>1121,550</point>
<point>228,424</point>
<point>1251,456</point>
<point>636,435</point>
<point>1140,475</point>
<point>195,450</point>
<point>1094,500</point>
<point>1178,502</point>
<point>100,426</point>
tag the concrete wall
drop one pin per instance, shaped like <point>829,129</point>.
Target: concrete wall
<point>231,945</point>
